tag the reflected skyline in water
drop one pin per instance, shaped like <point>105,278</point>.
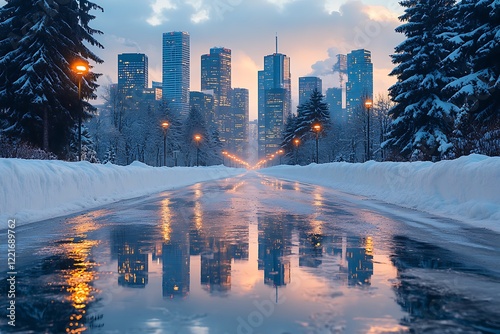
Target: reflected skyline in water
<point>217,259</point>
<point>173,250</point>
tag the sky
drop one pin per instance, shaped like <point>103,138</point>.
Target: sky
<point>310,32</point>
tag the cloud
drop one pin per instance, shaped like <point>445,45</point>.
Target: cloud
<point>310,32</point>
<point>126,42</point>
<point>159,7</point>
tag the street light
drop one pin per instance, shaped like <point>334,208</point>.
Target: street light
<point>317,128</point>
<point>368,106</point>
<point>224,153</point>
<point>165,125</point>
<point>280,152</point>
<point>197,138</point>
<point>296,141</point>
<point>80,68</point>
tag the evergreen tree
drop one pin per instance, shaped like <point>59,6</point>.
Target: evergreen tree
<point>313,111</point>
<point>110,155</point>
<point>195,125</point>
<point>39,42</point>
<point>422,118</point>
<point>288,137</point>
<point>476,90</point>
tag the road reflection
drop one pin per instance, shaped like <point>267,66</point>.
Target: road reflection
<point>435,287</point>
<point>217,259</point>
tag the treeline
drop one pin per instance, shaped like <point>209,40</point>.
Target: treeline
<point>354,137</point>
<point>126,130</point>
<point>447,97</point>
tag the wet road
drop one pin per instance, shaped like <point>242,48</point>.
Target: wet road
<point>253,254</point>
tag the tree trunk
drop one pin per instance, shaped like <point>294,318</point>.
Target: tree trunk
<point>45,129</point>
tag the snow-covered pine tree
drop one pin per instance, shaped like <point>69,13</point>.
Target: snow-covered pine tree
<point>110,155</point>
<point>477,91</point>
<point>422,118</point>
<point>288,138</point>
<point>195,124</point>
<point>315,110</point>
<point>39,42</point>
<point>175,133</point>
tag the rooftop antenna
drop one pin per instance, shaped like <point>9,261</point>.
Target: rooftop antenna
<point>276,42</point>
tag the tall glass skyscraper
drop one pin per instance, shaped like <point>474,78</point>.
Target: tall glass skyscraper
<point>240,111</point>
<point>176,71</point>
<point>307,85</point>
<point>274,101</point>
<point>216,76</point>
<point>132,74</point>
<point>359,79</point>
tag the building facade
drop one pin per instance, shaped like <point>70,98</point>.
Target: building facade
<point>216,76</point>
<point>132,74</point>
<point>333,98</point>
<point>307,85</point>
<point>240,115</point>
<point>176,71</point>
<point>359,86</point>
<point>274,102</point>
<point>204,102</point>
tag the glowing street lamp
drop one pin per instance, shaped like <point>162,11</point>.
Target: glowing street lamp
<point>296,142</point>
<point>224,153</point>
<point>165,126</point>
<point>317,128</point>
<point>80,68</point>
<point>280,152</point>
<point>368,106</point>
<point>197,139</point>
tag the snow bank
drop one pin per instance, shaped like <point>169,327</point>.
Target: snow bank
<point>33,190</point>
<point>467,189</point>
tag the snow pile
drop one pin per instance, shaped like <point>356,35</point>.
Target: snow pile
<point>32,190</point>
<point>466,189</point>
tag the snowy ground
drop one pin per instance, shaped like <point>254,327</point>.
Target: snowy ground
<point>33,190</point>
<point>466,189</point>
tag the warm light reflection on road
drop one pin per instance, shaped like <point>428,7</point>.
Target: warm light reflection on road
<point>166,219</point>
<point>198,208</point>
<point>80,277</point>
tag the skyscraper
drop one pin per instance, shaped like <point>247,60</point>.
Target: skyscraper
<point>274,101</point>
<point>175,71</point>
<point>334,99</point>
<point>307,85</point>
<point>359,79</point>
<point>203,102</point>
<point>240,111</point>
<point>216,76</point>
<point>132,74</point>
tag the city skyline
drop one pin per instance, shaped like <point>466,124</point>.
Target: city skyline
<point>311,34</point>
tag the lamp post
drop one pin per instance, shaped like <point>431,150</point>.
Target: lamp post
<point>368,106</point>
<point>280,152</point>
<point>317,129</point>
<point>197,138</point>
<point>165,126</point>
<point>296,142</point>
<point>224,153</point>
<point>80,68</point>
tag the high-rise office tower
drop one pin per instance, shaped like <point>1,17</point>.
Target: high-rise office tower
<point>274,101</point>
<point>204,102</point>
<point>216,76</point>
<point>175,71</point>
<point>307,85</point>
<point>334,100</point>
<point>132,74</point>
<point>359,84</point>
<point>240,111</point>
